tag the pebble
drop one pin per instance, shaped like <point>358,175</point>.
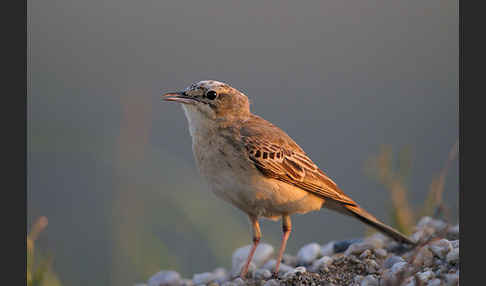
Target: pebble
<point>327,249</point>
<point>369,280</point>
<point>262,253</point>
<point>453,232</point>
<point>440,248</point>
<point>453,256</point>
<point>371,266</point>
<point>165,278</point>
<point>187,282</point>
<point>434,282</point>
<point>291,273</point>
<point>410,281</point>
<point>341,246</point>
<point>380,252</point>
<point>308,253</point>
<point>358,248</point>
<point>424,258</point>
<point>398,267</point>
<point>270,265</point>
<point>289,260</point>
<point>422,234</point>
<point>203,278</point>
<point>436,224</point>
<point>272,282</point>
<point>390,261</point>
<point>425,276</point>
<point>262,274</point>
<point>321,262</point>
<point>367,253</point>
<point>455,243</point>
<point>452,279</point>
<point>236,271</point>
<point>220,275</point>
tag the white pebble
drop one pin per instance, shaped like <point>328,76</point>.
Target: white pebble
<point>262,253</point>
<point>272,282</point>
<point>425,276</point>
<point>308,253</point>
<point>165,278</point>
<point>203,278</point>
<point>440,248</point>
<point>369,280</point>
<point>434,282</point>
<point>327,249</point>
<point>321,262</point>
<point>270,265</point>
<point>262,274</point>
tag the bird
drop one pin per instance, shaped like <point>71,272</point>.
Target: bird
<point>255,166</point>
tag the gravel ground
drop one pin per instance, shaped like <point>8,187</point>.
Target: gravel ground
<point>371,261</point>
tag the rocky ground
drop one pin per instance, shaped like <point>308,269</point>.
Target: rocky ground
<point>375,260</point>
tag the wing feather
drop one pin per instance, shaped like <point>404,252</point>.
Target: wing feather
<point>277,156</point>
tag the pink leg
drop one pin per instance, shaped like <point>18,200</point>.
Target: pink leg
<point>286,228</point>
<point>256,239</point>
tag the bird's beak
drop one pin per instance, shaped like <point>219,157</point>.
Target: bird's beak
<point>179,97</point>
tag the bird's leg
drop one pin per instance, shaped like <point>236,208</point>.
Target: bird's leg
<point>286,228</point>
<point>256,239</point>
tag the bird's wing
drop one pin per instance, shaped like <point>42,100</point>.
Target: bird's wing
<point>277,156</point>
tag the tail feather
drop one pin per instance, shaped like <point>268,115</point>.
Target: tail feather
<point>369,219</point>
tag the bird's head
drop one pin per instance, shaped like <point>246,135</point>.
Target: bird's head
<point>211,100</point>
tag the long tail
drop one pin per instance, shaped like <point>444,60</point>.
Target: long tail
<point>364,216</point>
<point>369,219</point>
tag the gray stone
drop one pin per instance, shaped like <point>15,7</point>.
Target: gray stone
<point>371,266</point>
<point>452,279</point>
<point>410,281</point>
<point>380,252</point>
<point>440,248</point>
<point>262,253</point>
<point>424,258</point>
<point>357,279</point>
<point>272,282</point>
<point>270,265</point>
<point>289,260</point>
<point>453,232</point>
<point>422,235</point>
<point>308,253</point>
<point>236,271</point>
<point>453,256</point>
<point>262,274</point>
<point>187,282</point>
<point>436,224</point>
<point>341,246</point>
<point>434,282</point>
<point>399,267</point>
<point>203,278</point>
<point>220,275</point>
<point>291,273</point>
<point>378,240</point>
<point>369,280</point>
<point>165,278</point>
<point>358,248</point>
<point>455,243</point>
<point>425,276</point>
<point>367,253</point>
<point>327,249</point>
<point>321,262</point>
<point>390,261</point>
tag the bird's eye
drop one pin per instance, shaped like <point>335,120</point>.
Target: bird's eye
<point>211,94</point>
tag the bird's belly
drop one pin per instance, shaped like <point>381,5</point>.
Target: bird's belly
<point>233,178</point>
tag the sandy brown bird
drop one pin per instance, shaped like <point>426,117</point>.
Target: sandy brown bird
<point>257,167</point>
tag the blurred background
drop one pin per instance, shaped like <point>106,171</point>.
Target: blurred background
<point>110,166</point>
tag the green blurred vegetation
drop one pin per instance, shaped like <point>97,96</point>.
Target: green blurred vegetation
<point>39,266</point>
<point>393,171</point>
